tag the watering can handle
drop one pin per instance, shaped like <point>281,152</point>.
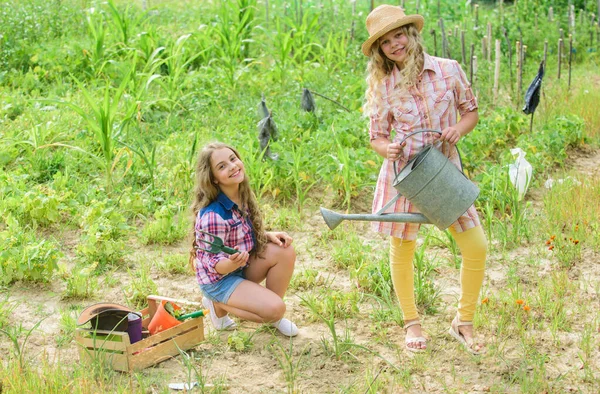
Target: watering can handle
<point>417,132</point>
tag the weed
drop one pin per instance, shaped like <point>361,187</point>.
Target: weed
<point>14,333</point>
<point>81,284</point>
<point>288,362</point>
<point>68,325</point>
<point>240,341</point>
<point>140,286</point>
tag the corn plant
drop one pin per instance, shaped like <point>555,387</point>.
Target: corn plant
<point>123,21</point>
<point>234,35</point>
<point>177,63</point>
<point>282,45</point>
<point>105,122</point>
<point>260,171</point>
<point>335,52</point>
<point>300,174</point>
<point>97,34</point>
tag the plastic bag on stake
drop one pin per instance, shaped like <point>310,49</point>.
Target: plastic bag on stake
<point>520,172</point>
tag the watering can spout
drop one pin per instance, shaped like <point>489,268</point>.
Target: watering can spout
<point>332,219</point>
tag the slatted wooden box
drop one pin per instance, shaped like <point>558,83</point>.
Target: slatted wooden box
<point>115,349</point>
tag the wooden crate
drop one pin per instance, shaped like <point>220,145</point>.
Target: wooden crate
<point>115,348</point>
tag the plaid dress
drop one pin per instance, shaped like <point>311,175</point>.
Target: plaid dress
<point>442,91</point>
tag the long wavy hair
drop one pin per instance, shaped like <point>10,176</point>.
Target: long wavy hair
<point>206,191</point>
<point>380,66</point>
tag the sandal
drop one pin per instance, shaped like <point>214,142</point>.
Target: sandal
<point>420,340</point>
<point>455,333</point>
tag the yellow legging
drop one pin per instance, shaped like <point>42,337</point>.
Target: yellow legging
<point>473,247</point>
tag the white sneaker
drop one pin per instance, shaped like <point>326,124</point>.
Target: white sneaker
<point>286,327</point>
<point>219,323</point>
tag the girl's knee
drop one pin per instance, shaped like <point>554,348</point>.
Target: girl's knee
<point>285,256</point>
<point>273,311</point>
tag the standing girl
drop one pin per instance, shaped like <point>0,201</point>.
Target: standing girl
<point>409,90</point>
<point>225,206</point>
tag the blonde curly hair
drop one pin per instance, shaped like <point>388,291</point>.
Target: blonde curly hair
<point>206,191</point>
<point>380,66</point>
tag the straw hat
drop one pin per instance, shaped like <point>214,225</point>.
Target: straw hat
<point>386,18</point>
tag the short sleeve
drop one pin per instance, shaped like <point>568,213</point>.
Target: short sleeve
<point>213,223</point>
<point>381,114</point>
<point>465,99</point>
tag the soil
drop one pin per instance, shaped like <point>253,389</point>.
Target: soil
<point>446,367</point>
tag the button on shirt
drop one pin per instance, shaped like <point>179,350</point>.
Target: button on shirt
<point>442,92</point>
<point>224,219</point>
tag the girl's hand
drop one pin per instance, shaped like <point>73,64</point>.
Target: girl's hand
<point>235,261</point>
<point>279,238</point>
<point>394,150</point>
<point>239,259</point>
<point>451,135</point>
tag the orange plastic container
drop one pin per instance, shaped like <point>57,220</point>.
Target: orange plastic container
<point>162,320</point>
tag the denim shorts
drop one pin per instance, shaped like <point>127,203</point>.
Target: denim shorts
<point>223,289</point>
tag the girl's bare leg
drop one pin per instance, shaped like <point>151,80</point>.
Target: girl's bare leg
<point>254,303</point>
<point>251,301</point>
<point>276,266</point>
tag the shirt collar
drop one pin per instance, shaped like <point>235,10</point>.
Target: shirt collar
<point>225,201</point>
<point>428,63</point>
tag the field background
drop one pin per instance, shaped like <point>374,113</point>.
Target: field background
<point>105,104</point>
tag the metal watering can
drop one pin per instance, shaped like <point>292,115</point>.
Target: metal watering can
<point>431,182</point>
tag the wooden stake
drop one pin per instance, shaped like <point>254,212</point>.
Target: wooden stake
<point>570,58</point>
<point>353,20</point>
<point>545,52</point>
<point>497,70</point>
<point>550,14</point>
<point>489,41</point>
<point>509,46</point>
<point>471,61</point>
<point>474,63</point>
<point>463,49</point>
<point>445,49</point>
<point>519,74</point>
<point>560,45</point>
<point>592,30</point>
<point>476,8</point>
<point>483,46</point>
<point>433,32</point>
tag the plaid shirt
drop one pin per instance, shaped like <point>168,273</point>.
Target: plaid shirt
<point>442,90</point>
<point>224,219</point>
